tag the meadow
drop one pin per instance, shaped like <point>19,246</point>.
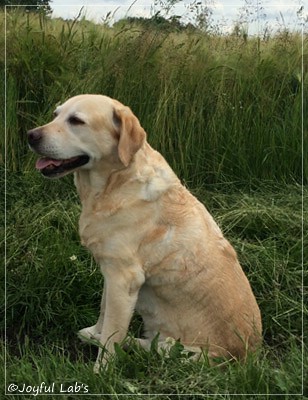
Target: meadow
<point>226,112</point>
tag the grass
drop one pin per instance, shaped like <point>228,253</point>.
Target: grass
<point>226,113</point>
<point>54,288</point>
<point>206,101</point>
<point>143,374</point>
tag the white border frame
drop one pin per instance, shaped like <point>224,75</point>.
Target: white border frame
<point>5,247</point>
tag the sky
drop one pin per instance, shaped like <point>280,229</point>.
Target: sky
<point>270,14</point>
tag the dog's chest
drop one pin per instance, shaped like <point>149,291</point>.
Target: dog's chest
<point>112,227</point>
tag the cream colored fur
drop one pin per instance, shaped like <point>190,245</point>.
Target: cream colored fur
<point>159,249</point>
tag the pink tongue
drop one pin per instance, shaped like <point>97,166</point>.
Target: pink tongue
<point>45,162</point>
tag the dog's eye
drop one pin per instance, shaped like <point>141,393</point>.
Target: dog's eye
<point>73,120</point>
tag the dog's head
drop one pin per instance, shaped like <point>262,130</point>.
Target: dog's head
<point>86,129</point>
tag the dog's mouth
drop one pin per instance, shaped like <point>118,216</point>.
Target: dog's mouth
<point>55,168</point>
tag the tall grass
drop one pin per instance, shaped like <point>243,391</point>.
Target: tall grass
<point>219,108</point>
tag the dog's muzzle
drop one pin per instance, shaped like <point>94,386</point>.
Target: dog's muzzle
<point>53,167</point>
<point>34,137</point>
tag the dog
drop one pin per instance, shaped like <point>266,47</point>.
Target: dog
<point>160,251</point>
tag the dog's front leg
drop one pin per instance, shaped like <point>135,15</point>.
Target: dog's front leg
<point>100,321</point>
<point>122,284</point>
<point>94,331</point>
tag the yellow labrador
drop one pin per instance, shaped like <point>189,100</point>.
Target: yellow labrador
<point>159,249</point>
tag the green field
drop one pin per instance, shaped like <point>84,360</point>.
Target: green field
<point>226,112</point>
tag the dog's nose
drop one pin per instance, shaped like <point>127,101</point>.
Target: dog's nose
<point>34,136</point>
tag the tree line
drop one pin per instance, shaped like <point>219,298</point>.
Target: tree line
<point>29,5</point>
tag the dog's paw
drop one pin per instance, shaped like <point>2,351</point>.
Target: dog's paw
<point>102,360</point>
<point>89,333</point>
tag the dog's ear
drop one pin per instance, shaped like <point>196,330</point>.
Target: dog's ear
<point>131,134</point>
